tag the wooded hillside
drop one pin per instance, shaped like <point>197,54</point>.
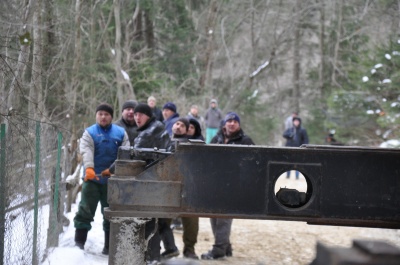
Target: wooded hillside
<point>335,61</point>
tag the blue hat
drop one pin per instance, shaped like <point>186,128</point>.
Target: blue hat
<point>232,116</point>
<point>170,106</point>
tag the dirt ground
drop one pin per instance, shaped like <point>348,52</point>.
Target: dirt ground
<point>282,242</point>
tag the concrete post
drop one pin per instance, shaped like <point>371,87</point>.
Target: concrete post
<point>127,234</point>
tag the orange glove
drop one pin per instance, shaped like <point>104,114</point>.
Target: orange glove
<point>90,174</point>
<point>106,173</point>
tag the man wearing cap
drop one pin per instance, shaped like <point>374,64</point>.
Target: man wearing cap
<point>170,116</point>
<point>127,120</point>
<point>231,133</point>
<point>152,102</point>
<point>99,147</point>
<point>151,134</point>
<point>213,119</point>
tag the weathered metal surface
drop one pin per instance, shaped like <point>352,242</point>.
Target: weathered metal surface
<point>361,253</point>
<point>346,186</point>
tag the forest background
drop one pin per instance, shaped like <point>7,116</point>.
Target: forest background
<point>335,61</point>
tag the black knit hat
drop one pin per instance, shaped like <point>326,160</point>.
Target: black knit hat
<point>105,107</point>
<point>129,104</point>
<point>232,116</point>
<point>296,118</point>
<point>184,121</point>
<point>171,106</point>
<point>144,108</point>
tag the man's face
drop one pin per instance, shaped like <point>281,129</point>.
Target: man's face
<point>296,123</point>
<point>167,113</point>
<point>179,128</point>
<point>151,103</point>
<point>213,105</point>
<point>194,111</point>
<point>127,115</point>
<point>103,118</point>
<point>141,119</point>
<point>191,130</point>
<point>232,126</point>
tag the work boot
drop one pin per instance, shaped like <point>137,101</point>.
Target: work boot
<point>215,253</point>
<point>228,251</point>
<point>170,253</point>
<point>190,254</point>
<point>106,242</point>
<point>80,237</point>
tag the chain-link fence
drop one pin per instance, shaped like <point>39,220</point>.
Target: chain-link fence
<point>31,196</point>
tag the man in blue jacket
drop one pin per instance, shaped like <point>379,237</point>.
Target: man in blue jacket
<point>99,147</point>
<point>170,116</point>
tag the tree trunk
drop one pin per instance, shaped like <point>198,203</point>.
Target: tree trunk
<point>36,102</point>
<point>339,10</point>
<point>205,78</point>
<point>296,58</point>
<point>321,70</point>
<point>124,86</point>
<point>23,57</point>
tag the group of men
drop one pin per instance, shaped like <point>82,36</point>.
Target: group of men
<point>145,126</point>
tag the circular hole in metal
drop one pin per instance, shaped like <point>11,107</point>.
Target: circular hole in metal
<point>292,189</point>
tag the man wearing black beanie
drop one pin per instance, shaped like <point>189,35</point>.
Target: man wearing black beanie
<point>152,134</point>
<point>97,156</point>
<point>127,120</point>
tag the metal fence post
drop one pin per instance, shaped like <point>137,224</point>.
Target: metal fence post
<point>2,187</point>
<point>36,206</point>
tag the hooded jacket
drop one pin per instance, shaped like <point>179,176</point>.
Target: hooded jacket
<point>296,136</point>
<point>197,130</point>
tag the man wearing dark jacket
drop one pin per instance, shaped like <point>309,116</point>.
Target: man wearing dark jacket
<point>127,120</point>
<point>170,116</point>
<point>231,133</point>
<point>151,134</point>
<point>295,137</point>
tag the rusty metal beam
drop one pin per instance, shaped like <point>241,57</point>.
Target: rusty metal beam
<point>346,186</point>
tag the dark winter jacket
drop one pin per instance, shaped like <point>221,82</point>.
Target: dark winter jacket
<point>158,114</point>
<point>296,136</point>
<point>131,130</point>
<point>175,140</point>
<point>152,134</point>
<point>238,138</point>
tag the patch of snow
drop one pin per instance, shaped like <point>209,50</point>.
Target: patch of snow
<point>379,65</point>
<point>394,143</point>
<point>386,81</point>
<point>387,56</point>
<point>125,75</point>
<point>365,79</point>
<point>259,69</point>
